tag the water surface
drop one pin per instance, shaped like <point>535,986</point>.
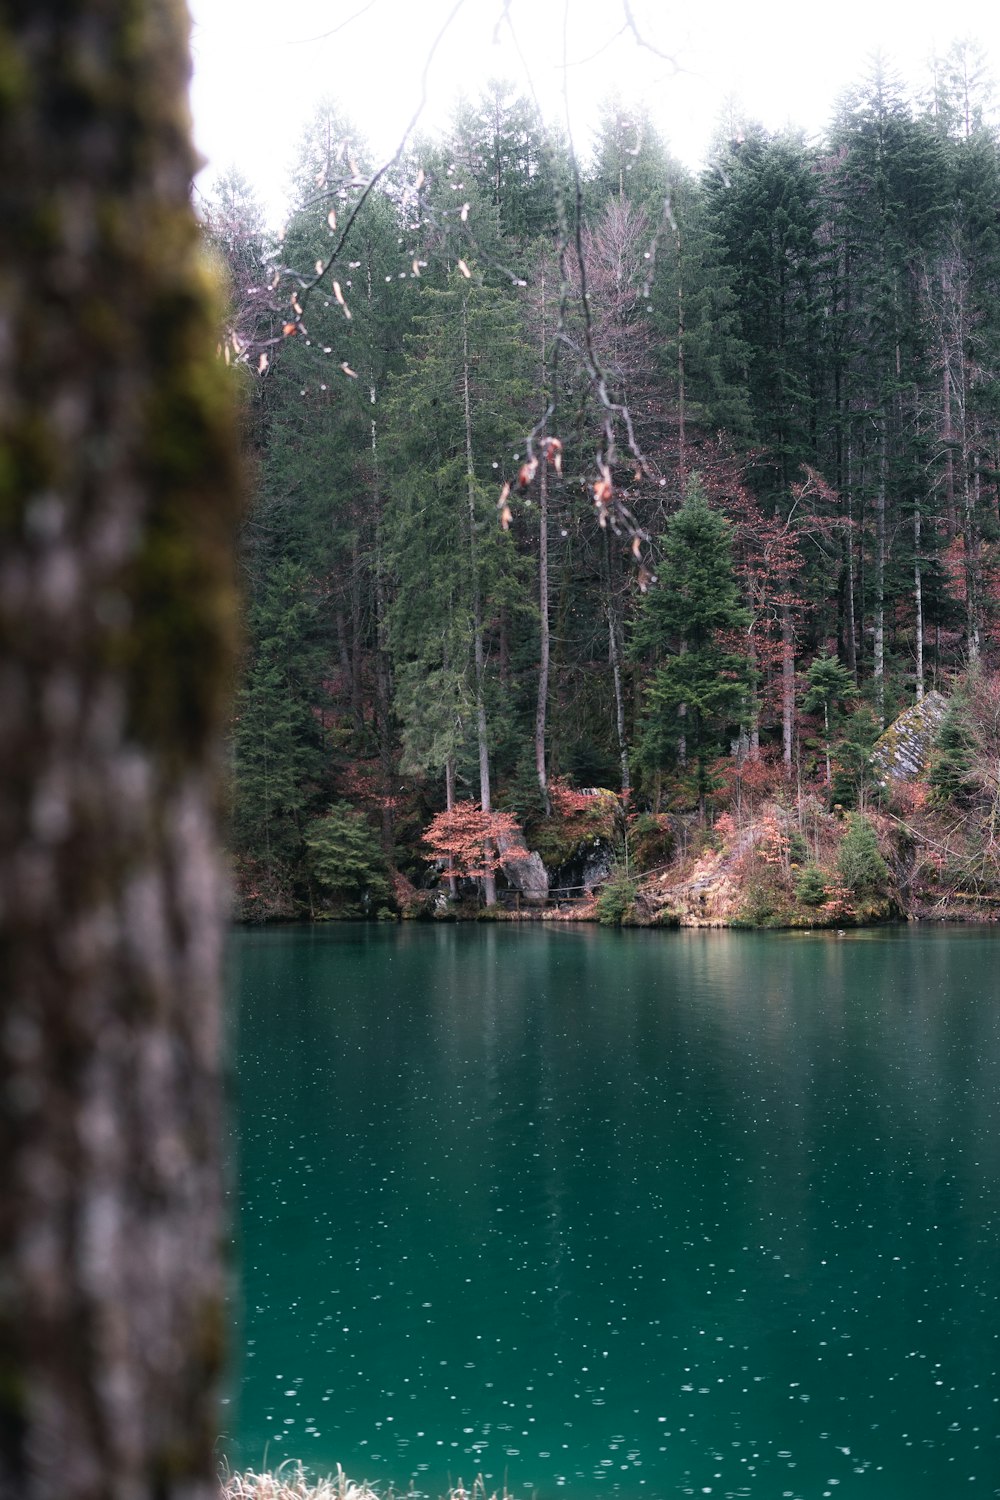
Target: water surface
<point>642,1213</point>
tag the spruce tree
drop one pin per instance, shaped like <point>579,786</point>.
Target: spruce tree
<point>688,630</point>
<point>456,411</point>
<point>278,753</point>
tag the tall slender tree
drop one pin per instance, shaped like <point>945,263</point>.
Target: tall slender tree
<point>118,484</point>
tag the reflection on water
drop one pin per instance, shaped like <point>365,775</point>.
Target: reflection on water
<point>647,1213</point>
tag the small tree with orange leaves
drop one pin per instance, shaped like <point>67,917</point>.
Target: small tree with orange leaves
<point>472,843</point>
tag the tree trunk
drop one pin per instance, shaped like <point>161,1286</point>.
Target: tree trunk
<point>948,437</point>
<point>787,686</point>
<point>383,672</point>
<point>850,614</point>
<point>449,800</point>
<point>971,531</point>
<point>878,647</point>
<point>615,656</point>
<point>918,600</point>
<point>118,503</point>
<point>357,646</point>
<point>541,707</point>
<point>681,434</point>
<point>485,796</point>
<point>544,642</point>
<point>343,654</point>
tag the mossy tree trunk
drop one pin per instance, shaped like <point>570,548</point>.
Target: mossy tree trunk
<point>118,493</point>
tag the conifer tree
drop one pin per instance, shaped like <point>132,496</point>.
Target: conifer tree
<point>830,683</point>
<point>688,630</point>
<point>763,209</point>
<point>457,408</point>
<point>890,190</point>
<point>278,758</point>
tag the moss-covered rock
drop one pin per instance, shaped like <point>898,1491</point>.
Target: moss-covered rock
<point>903,751</point>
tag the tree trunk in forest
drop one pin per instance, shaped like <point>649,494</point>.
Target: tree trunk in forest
<point>971,532</point>
<point>449,802</point>
<point>918,601</point>
<point>787,685</point>
<point>850,616</point>
<point>357,648</point>
<point>383,671</point>
<point>383,707</point>
<point>615,656</point>
<point>541,707</point>
<point>118,502</point>
<point>544,642</point>
<point>681,434</point>
<point>342,652</point>
<point>485,795</point>
<point>878,645</point>
<point>948,438</point>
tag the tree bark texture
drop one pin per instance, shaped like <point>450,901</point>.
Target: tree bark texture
<point>485,794</point>
<point>118,500</point>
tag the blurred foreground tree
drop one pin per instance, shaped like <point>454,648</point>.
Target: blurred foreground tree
<point>118,495</point>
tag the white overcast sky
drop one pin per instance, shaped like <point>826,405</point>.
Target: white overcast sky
<point>261,66</point>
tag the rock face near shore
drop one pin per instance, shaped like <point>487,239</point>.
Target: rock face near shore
<point>523,869</point>
<point>903,752</point>
<point>711,893</point>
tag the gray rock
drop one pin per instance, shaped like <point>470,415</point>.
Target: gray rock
<point>903,752</point>
<point>524,870</point>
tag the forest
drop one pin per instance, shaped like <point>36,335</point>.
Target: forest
<point>606,515</point>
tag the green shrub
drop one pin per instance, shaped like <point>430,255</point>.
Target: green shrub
<point>810,888</point>
<point>859,863</point>
<point>798,849</point>
<point>346,861</point>
<point>760,906</point>
<point>616,899</point>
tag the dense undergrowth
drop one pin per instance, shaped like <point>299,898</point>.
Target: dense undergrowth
<point>908,829</point>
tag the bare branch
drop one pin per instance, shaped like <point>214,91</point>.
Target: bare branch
<point>631,25</point>
<point>305,41</point>
<point>581,62</point>
<point>377,176</point>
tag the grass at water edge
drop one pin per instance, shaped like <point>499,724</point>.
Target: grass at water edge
<point>290,1482</point>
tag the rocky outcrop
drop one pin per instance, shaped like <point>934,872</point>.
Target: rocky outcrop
<point>903,752</point>
<point>523,869</point>
<point>586,869</point>
<point>711,894</point>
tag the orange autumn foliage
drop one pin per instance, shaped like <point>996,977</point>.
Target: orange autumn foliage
<point>468,840</point>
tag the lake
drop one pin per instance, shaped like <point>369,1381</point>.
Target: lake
<point>643,1213</point>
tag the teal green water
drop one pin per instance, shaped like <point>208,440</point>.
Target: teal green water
<point>648,1213</point>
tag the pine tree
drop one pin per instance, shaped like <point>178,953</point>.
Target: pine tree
<point>456,411</point>
<point>517,166</point>
<point>688,628</point>
<point>763,209</point>
<point>278,760</point>
<point>696,318</point>
<point>859,862</point>
<point>889,197</point>
<point>830,683</point>
<point>346,861</point>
